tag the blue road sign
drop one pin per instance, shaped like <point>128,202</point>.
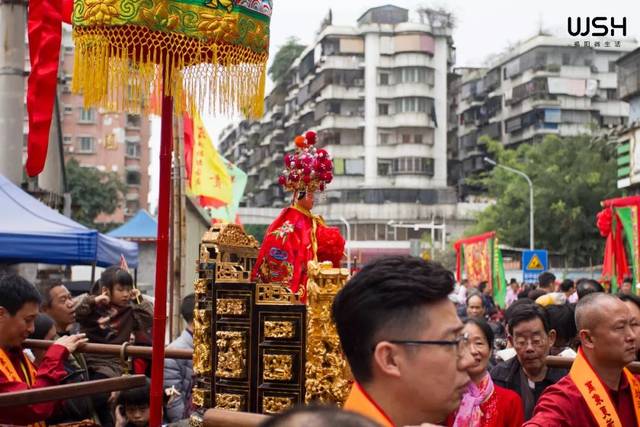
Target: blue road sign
<point>533,263</point>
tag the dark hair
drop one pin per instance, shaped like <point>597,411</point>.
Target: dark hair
<point>45,287</point>
<point>187,306</point>
<point>631,297</point>
<point>513,280</point>
<point>546,279</point>
<point>586,286</point>
<point>482,286</point>
<point>535,294</point>
<point>385,296</point>
<point>562,319</point>
<point>484,327</point>
<point>567,285</point>
<point>318,416</point>
<point>15,292</point>
<point>42,325</point>
<point>628,279</point>
<point>113,275</point>
<point>524,312</point>
<point>138,396</point>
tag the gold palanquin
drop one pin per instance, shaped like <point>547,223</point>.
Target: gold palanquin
<point>257,347</point>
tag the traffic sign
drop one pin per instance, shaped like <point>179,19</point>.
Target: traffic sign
<point>534,262</point>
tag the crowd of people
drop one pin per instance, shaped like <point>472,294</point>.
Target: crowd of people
<point>423,350</point>
<point>417,358</point>
<point>113,313</point>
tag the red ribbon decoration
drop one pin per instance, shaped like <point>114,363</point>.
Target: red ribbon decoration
<point>45,35</point>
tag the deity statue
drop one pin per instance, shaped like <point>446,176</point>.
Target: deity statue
<point>297,236</point>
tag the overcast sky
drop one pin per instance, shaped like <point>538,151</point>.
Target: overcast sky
<point>482,28</point>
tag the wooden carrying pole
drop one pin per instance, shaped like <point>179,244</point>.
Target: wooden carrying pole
<point>162,256</point>
<point>70,391</point>
<point>116,350</point>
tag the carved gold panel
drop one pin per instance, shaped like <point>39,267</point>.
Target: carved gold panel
<point>274,294</point>
<point>230,401</point>
<point>232,354</point>
<point>200,286</point>
<point>277,367</point>
<point>276,404</point>
<point>231,306</point>
<point>327,373</point>
<point>201,342</point>
<point>279,329</point>
<point>199,396</point>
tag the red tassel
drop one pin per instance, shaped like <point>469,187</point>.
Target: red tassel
<point>45,35</point>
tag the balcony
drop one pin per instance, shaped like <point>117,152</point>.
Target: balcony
<point>405,90</point>
<point>341,92</point>
<point>341,63</point>
<point>405,120</point>
<point>332,121</point>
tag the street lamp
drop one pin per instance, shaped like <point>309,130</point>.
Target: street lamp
<point>344,221</point>
<point>524,175</point>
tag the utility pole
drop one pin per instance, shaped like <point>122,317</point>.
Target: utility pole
<point>13,22</point>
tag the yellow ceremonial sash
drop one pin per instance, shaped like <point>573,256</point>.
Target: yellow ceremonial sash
<point>29,371</point>
<point>596,395</point>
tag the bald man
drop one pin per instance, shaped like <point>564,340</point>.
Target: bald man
<point>599,390</point>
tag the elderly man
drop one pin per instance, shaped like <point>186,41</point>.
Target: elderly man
<point>532,338</point>
<point>403,341</point>
<point>599,390</point>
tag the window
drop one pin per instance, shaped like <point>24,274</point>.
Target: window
<point>612,66</point>
<point>67,140</point>
<point>413,105</point>
<point>383,109</point>
<point>417,138</point>
<point>86,144</point>
<point>334,107</point>
<point>87,115</point>
<point>385,167</point>
<point>133,149</point>
<point>354,166</point>
<point>566,59</point>
<point>133,178</point>
<point>384,79</point>
<point>133,121</point>
<point>406,138</point>
<point>611,94</point>
<point>384,138</point>
<point>413,165</point>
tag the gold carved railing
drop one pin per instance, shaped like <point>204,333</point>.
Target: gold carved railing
<point>327,373</point>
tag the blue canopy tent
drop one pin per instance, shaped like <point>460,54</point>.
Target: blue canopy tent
<point>32,232</point>
<point>142,227</point>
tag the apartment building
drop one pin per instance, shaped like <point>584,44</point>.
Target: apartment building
<point>628,67</point>
<point>376,93</point>
<point>545,85</point>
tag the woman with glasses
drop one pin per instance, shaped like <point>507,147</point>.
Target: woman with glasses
<point>484,404</point>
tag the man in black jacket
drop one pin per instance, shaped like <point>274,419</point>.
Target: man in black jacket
<point>58,304</point>
<point>527,374</point>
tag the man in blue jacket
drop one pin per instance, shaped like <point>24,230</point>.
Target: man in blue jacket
<point>178,374</point>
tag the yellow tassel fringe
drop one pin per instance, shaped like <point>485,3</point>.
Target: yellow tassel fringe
<point>121,69</point>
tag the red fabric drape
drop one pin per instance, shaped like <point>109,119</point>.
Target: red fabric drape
<point>45,35</point>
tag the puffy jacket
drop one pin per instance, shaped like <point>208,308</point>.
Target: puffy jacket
<point>178,373</point>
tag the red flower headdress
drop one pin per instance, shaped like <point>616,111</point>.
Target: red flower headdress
<point>309,168</point>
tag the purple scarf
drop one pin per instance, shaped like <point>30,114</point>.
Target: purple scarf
<point>469,413</point>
